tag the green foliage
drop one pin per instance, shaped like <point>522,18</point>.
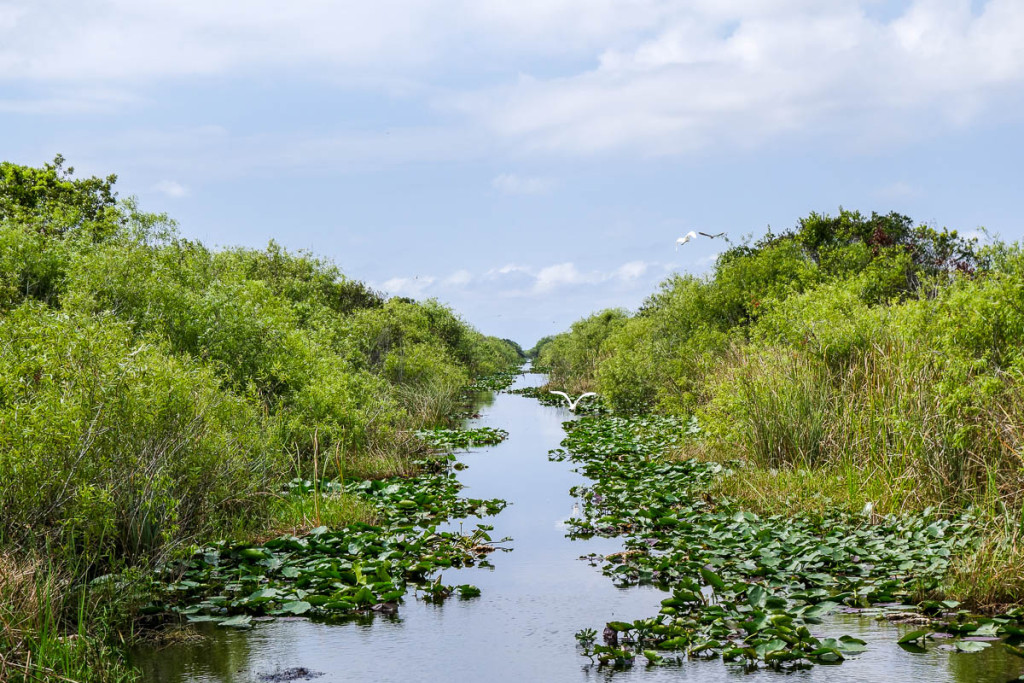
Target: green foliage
<point>661,357</point>
<point>851,343</point>
<point>573,357</point>
<point>153,390</point>
<point>55,204</point>
<point>118,449</point>
<point>744,587</point>
<point>153,344</point>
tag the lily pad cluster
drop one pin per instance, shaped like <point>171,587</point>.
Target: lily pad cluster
<point>741,622</point>
<point>453,439</point>
<point>498,381</point>
<point>338,572</point>
<point>972,633</point>
<point>744,587</point>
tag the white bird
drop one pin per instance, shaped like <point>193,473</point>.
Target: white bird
<point>685,238</point>
<point>572,403</point>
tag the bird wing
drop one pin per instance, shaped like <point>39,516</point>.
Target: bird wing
<point>563,395</point>
<point>583,396</point>
<point>711,236</point>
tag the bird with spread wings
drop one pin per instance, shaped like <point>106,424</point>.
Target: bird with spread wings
<point>572,403</point>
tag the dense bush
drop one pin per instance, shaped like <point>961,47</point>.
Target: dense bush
<point>111,446</point>
<point>154,391</point>
<point>863,345</point>
<point>572,359</point>
<point>151,387</point>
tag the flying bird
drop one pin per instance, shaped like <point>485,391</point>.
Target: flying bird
<point>717,234</point>
<point>686,238</point>
<point>572,403</point>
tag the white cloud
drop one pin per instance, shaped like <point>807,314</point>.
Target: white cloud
<point>171,188</point>
<point>562,274</point>
<point>508,268</point>
<point>510,183</point>
<point>663,77</point>
<point>413,287</point>
<point>734,73</point>
<point>459,278</point>
<point>631,270</point>
<point>512,280</point>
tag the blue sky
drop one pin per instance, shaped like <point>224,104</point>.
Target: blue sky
<point>526,162</point>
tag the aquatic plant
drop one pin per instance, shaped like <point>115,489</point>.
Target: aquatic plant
<point>744,587</point>
<point>452,439</point>
<point>498,381</point>
<point>154,390</point>
<point>332,573</point>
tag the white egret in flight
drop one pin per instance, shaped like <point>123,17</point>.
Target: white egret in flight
<point>572,403</point>
<point>685,238</point>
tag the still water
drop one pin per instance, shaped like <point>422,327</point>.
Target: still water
<point>534,599</point>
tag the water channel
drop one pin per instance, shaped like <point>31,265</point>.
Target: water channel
<point>534,599</point>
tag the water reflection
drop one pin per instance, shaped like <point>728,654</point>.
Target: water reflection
<point>536,597</point>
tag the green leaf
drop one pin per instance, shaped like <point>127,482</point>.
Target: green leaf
<point>712,579</point>
<point>239,621</point>
<point>971,646</point>
<point>757,596</point>
<point>914,635</point>
<point>296,607</point>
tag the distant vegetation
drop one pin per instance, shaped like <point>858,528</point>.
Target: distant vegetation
<point>153,391</point>
<point>852,358</point>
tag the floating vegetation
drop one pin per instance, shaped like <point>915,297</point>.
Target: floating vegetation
<point>338,572</point>
<point>745,588</point>
<point>498,381</point>
<point>453,439</point>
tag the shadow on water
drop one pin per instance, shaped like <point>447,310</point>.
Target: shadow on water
<point>536,597</point>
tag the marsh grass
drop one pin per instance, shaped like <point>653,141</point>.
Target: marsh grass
<point>53,630</point>
<point>879,427</point>
<point>433,403</point>
<point>297,513</point>
<point>991,576</point>
<point>784,491</point>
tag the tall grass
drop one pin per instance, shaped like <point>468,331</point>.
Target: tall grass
<point>51,630</point>
<point>882,417</point>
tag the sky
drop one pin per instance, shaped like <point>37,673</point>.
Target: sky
<point>527,162</point>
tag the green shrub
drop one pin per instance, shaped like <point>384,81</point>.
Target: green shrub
<point>117,449</point>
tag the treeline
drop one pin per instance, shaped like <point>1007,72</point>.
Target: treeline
<point>153,389</point>
<point>865,349</point>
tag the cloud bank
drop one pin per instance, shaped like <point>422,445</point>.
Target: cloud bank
<point>647,77</point>
<point>513,280</point>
